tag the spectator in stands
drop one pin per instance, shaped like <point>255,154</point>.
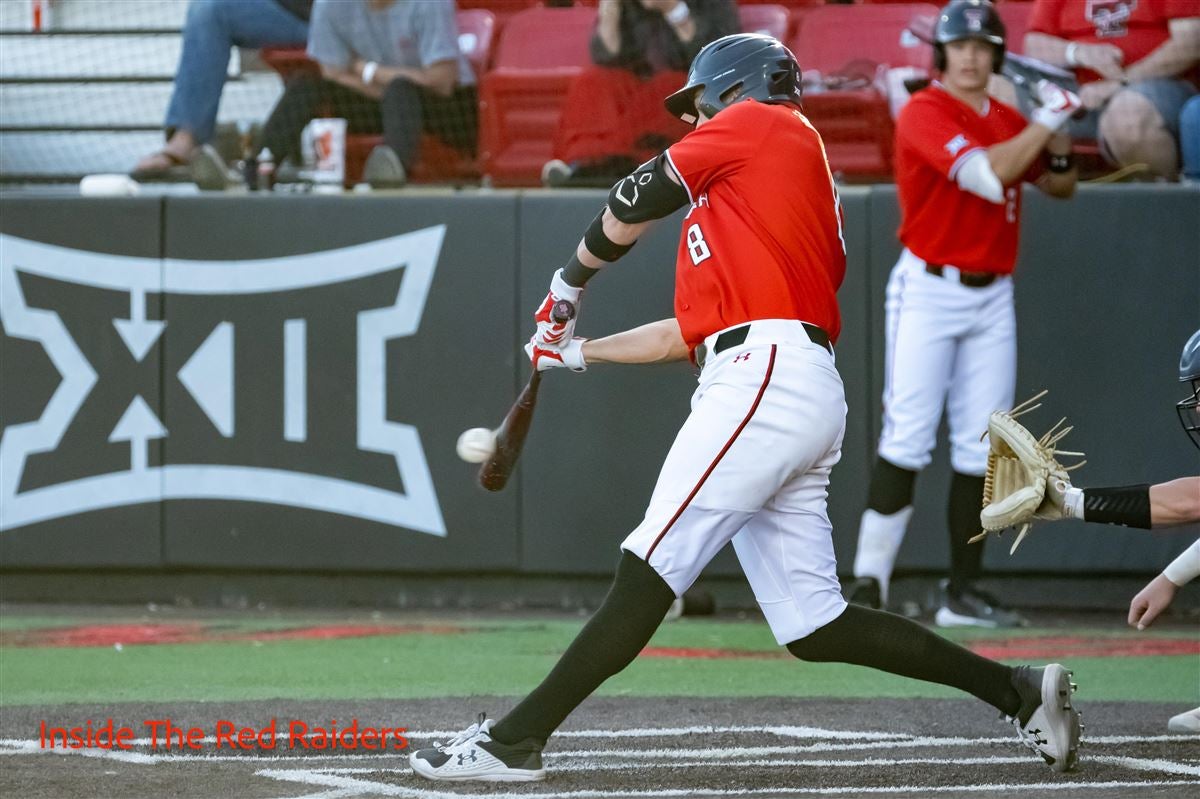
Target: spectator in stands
<point>1132,61</point>
<point>386,66</point>
<point>1189,139</point>
<point>211,30</point>
<point>613,117</point>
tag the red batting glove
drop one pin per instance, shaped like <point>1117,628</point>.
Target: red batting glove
<point>550,333</point>
<point>570,356</point>
<point>1055,105</point>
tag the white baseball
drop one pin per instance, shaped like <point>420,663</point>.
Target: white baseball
<point>476,445</point>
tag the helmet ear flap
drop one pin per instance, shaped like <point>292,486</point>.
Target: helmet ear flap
<point>939,57</point>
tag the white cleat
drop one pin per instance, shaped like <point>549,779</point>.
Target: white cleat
<point>1187,723</point>
<point>1047,722</point>
<point>474,755</point>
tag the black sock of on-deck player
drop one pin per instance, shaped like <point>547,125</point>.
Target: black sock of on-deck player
<point>612,638</point>
<point>897,645</point>
<point>962,519</point>
<point>1125,505</point>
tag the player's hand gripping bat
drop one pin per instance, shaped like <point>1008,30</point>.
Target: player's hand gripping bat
<point>510,435</point>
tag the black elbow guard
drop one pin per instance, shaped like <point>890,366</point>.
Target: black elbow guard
<point>647,193</point>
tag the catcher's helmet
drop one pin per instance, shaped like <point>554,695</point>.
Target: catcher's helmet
<point>1188,408</point>
<point>733,68</point>
<point>968,19</point>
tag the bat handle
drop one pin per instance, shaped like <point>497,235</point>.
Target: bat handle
<point>563,311</point>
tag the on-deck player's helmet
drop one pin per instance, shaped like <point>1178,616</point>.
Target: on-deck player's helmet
<point>1188,408</point>
<point>968,19</point>
<point>733,68</point>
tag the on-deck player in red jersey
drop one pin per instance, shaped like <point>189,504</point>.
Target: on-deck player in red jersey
<point>760,258</point>
<point>950,326</point>
<point>935,135</point>
<point>1136,62</point>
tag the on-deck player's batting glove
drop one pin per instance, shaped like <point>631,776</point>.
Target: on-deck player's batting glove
<point>550,333</point>
<point>569,356</point>
<point>1024,479</point>
<point>1055,105</point>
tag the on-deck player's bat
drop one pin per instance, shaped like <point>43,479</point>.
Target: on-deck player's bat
<point>510,435</point>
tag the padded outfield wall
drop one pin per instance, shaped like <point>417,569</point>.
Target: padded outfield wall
<point>276,383</point>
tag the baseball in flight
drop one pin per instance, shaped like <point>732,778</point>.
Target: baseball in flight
<point>476,445</point>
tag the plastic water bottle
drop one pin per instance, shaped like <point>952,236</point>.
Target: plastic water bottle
<point>266,169</point>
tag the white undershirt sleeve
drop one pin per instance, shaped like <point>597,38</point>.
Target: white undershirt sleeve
<point>1186,567</point>
<point>975,174</point>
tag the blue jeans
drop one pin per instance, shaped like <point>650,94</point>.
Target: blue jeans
<point>1189,138</point>
<point>212,28</point>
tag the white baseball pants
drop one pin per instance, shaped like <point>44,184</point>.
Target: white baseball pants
<point>752,464</point>
<point>951,347</point>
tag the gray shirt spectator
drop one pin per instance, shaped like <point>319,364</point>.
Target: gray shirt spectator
<point>403,34</point>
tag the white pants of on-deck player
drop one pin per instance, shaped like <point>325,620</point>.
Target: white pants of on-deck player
<point>752,464</point>
<point>947,345</point>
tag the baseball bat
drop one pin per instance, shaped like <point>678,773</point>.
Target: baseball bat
<point>510,435</point>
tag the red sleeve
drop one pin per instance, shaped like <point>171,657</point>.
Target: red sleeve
<point>719,147</point>
<point>1046,18</point>
<point>932,133</point>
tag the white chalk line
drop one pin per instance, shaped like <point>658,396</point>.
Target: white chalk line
<point>32,747</point>
<point>352,787</point>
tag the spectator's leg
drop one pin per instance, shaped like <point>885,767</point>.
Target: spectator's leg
<point>454,119</point>
<point>403,120</point>
<point>307,97</point>
<point>212,29</point>
<point>1189,138</point>
<point>591,122</point>
<point>1140,125</point>
<point>651,128</point>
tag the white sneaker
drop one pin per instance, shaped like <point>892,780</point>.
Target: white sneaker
<point>556,172</point>
<point>473,755</point>
<point>383,169</point>
<point>1047,723</point>
<point>1187,722</point>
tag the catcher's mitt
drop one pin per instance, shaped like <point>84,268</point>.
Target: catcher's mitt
<point>1024,479</point>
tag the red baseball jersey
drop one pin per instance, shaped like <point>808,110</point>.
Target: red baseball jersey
<point>940,222</point>
<point>763,238</point>
<point>1135,26</point>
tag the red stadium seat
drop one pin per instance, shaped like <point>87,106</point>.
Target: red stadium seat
<point>856,125</point>
<point>770,19</point>
<point>540,51</point>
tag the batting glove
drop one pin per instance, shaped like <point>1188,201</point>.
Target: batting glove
<point>1055,105</point>
<point>569,356</point>
<point>551,334</point>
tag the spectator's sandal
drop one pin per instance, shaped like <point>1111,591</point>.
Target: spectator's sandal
<point>169,168</point>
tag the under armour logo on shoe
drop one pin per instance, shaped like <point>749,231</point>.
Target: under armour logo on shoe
<point>745,356</point>
<point>462,759</point>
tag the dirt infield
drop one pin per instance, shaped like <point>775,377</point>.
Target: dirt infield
<point>630,747</point>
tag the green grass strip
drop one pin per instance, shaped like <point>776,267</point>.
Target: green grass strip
<point>506,658</point>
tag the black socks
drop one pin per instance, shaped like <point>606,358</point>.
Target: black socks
<point>612,638</point>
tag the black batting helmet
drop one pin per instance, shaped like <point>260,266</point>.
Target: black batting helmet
<point>1188,408</point>
<point>733,68</point>
<point>968,19</point>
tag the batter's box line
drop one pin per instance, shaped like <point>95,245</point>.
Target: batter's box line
<point>344,787</point>
<point>1156,765</point>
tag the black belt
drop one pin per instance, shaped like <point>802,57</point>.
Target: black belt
<point>736,336</point>
<point>975,280</point>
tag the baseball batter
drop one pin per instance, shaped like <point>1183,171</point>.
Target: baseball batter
<point>759,261</point>
<point>961,157</point>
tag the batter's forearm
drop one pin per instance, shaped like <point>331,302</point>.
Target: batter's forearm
<point>657,342</point>
<point>618,233</point>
